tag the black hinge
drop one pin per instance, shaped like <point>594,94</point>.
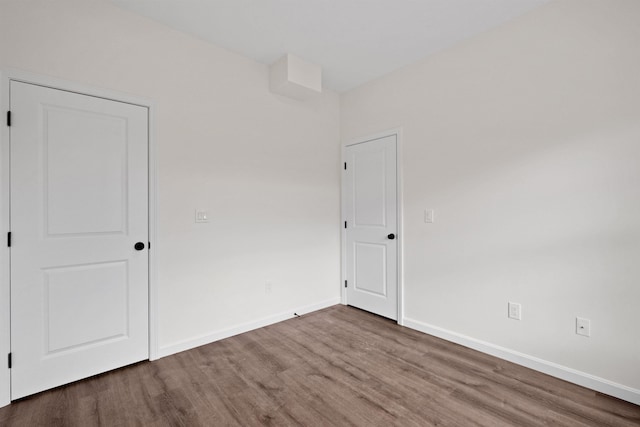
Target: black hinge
<point>8,118</point>
<point>345,224</point>
<point>9,360</point>
<point>149,245</point>
<point>345,283</point>
<point>9,239</point>
<point>345,165</point>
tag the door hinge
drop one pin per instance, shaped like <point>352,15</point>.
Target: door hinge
<point>8,118</point>
<point>345,165</point>
<point>345,283</point>
<point>9,360</point>
<point>9,239</point>
<point>345,224</point>
<point>149,247</point>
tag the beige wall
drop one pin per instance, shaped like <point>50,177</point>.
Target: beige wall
<point>266,168</point>
<point>526,142</point>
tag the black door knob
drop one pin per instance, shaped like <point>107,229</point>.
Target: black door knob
<point>138,246</point>
<point>391,236</point>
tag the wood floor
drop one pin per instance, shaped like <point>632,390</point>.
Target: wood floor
<point>339,366</point>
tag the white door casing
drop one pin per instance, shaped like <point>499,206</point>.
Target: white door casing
<point>79,203</point>
<point>372,226</point>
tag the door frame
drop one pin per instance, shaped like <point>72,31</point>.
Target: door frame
<point>397,132</point>
<point>6,76</point>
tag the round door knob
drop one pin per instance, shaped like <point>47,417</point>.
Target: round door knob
<point>139,246</point>
<point>391,236</point>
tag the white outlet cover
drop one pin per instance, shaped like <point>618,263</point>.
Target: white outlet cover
<point>202,215</point>
<point>515,311</point>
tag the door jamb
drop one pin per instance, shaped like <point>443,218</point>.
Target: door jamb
<point>6,76</point>
<point>399,212</point>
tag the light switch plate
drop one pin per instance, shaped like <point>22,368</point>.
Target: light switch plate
<point>429,216</point>
<point>515,311</point>
<point>583,327</point>
<point>202,215</point>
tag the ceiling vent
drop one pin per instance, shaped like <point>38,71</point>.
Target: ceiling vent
<point>295,78</point>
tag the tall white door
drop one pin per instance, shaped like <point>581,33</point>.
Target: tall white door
<point>79,201</point>
<point>371,233</point>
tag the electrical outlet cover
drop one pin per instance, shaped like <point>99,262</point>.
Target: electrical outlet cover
<point>202,215</point>
<point>515,311</point>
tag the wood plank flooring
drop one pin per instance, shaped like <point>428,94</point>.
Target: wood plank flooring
<point>339,366</point>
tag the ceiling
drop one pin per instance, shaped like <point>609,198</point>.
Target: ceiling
<point>353,40</point>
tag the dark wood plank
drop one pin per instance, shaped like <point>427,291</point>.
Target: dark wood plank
<point>339,366</point>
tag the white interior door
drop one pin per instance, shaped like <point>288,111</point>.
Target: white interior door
<point>371,233</point>
<point>79,200</point>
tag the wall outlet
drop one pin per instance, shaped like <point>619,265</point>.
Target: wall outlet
<point>202,215</point>
<point>515,310</point>
<point>268,287</point>
<point>583,327</point>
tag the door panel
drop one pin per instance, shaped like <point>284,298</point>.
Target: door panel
<point>75,166</point>
<point>79,200</point>
<point>99,293</point>
<point>371,209</point>
<point>369,189</point>
<point>370,268</point>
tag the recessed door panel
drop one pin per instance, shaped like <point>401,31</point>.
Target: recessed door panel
<point>370,268</point>
<point>79,203</point>
<point>84,151</point>
<point>371,234</point>
<point>369,176</point>
<point>90,300</point>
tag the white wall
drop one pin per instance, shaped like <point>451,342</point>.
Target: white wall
<point>267,168</point>
<point>526,142</point>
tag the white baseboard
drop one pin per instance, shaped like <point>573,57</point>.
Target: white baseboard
<point>568,374</point>
<point>242,328</point>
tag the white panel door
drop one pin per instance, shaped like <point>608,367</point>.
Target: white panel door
<point>371,234</point>
<point>79,200</point>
